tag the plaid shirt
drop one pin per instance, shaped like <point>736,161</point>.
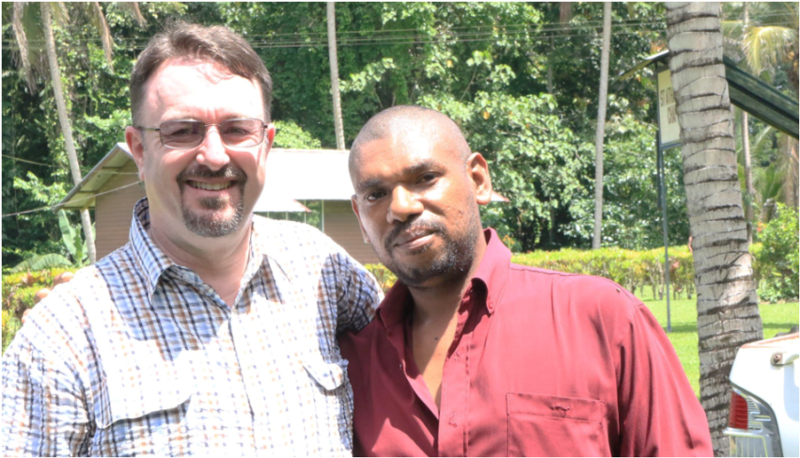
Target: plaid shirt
<point>137,355</point>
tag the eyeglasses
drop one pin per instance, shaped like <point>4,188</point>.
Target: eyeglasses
<point>235,133</point>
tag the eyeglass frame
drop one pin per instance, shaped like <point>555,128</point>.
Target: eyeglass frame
<point>264,127</point>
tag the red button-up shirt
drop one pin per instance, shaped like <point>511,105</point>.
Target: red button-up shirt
<point>542,363</point>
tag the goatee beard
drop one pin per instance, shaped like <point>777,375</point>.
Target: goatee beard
<point>213,224</point>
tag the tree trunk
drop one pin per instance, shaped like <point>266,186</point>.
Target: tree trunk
<point>727,305</point>
<point>601,127</point>
<point>55,75</point>
<point>748,171</point>
<point>337,102</point>
<point>748,178</point>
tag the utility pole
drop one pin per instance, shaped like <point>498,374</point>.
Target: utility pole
<point>334,59</point>
<point>601,127</point>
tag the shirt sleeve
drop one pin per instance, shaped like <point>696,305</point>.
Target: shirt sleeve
<point>44,408</point>
<point>358,293</point>
<point>659,412</point>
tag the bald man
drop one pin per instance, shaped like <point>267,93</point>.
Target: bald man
<point>471,355</point>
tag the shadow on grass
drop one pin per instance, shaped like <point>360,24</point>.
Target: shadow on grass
<point>690,328</point>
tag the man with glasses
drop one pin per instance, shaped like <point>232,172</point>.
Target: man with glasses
<point>213,331</point>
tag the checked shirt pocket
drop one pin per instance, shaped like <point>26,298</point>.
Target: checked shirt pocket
<point>542,425</point>
<point>148,417</point>
<point>333,402</point>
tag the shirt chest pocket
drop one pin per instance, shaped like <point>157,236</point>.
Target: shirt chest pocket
<point>142,411</point>
<point>332,401</point>
<point>542,425</point>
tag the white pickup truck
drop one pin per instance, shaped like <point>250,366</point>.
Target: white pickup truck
<point>764,398</point>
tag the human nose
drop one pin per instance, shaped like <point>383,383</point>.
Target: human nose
<point>212,152</point>
<point>403,205</point>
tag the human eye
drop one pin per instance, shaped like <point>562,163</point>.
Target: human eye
<point>373,196</point>
<point>427,178</point>
<point>179,128</point>
<point>239,127</point>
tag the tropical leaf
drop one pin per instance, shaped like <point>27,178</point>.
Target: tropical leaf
<point>767,46</point>
<point>69,236</point>
<point>44,261</point>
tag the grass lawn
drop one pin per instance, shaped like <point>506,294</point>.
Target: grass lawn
<point>775,317</point>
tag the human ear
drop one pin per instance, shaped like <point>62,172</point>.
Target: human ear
<point>133,137</point>
<point>270,134</point>
<point>354,204</point>
<point>478,171</point>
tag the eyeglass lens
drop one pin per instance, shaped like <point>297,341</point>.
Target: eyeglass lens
<point>240,133</point>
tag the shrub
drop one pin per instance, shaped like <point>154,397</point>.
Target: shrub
<point>635,270</point>
<point>778,256</point>
<point>19,290</point>
<point>384,276</point>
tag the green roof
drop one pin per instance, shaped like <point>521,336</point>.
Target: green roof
<point>746,92</point>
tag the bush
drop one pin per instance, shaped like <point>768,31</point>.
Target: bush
<point>635,270</point>
<point>19,290</point>
<point>778,257</point>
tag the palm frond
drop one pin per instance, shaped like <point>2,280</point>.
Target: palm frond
<point>133,9</point>
<point>60,13</point>
<point>99,20</point>
<point>22,41</point>
<point>766,46</point>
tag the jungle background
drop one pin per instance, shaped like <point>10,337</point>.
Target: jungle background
<point>521,79</point>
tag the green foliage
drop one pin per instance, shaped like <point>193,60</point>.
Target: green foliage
<point>290,135</point>
<point>44,261</point>
<point>384,276</point>
<point>74,243</point>
<point>641,271</point>
<point>521,85</point>
<point>779,256</point>
<point>18,292</point>
<point>35,169</point>
<point>635,270</point>
<point>632,216</point>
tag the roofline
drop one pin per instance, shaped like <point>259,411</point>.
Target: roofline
<point>119,146</point>
<point>123,147</point>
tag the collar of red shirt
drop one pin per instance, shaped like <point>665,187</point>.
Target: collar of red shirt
<point>490,278</point>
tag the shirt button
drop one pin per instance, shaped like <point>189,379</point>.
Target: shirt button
<point>452,422</point>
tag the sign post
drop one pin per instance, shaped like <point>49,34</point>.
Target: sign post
<point>669,135</point>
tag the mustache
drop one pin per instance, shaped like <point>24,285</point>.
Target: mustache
<point>228,172</point>
<point>409,226</point>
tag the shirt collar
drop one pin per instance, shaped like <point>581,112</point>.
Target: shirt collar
<point>153,262</point>
<point>490,277</point>
<point>492,272</point>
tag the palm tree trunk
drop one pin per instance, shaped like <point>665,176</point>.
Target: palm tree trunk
<point>55,75</point>
<point>601,127</point>
<point>334,59</point>
<point>748,170</point>
<point>727,305</point>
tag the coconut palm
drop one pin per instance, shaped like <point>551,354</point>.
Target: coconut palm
<point>25,24</point>
<point>727,305</point>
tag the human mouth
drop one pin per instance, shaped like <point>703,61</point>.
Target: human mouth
<point>414,239</point>
<point>210,186</point>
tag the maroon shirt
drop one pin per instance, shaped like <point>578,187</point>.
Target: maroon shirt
<point>542,363</point>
